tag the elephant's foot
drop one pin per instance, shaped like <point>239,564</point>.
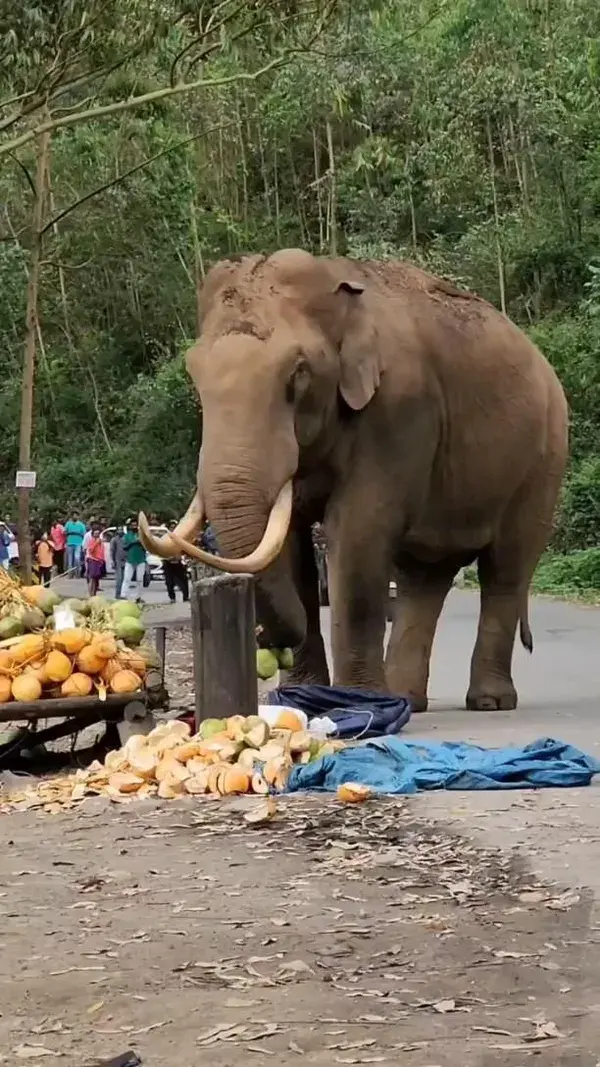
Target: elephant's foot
<point>495,696</point>
<point>414,688</point>
<point>418,704</point>
<point>310,664</point>
<point>355,677</point>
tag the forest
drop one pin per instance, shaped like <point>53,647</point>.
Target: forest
<point>140,142</point>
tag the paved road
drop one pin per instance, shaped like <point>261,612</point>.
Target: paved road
<point>559,689</point>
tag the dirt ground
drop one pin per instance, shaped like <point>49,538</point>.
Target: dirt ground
<point>344,934</point>
<point>388,932</point>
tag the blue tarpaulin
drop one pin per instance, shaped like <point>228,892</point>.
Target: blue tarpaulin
<point>356,712</point>
<point>393,766</point>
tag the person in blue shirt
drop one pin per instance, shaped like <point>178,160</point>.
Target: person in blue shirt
<point>75,530</point>
<point>4,554</point>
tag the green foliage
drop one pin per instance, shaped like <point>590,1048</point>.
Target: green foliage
<point>574,574</point>
<point>462,135</point>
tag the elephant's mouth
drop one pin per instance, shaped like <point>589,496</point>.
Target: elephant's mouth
<point>179,541</point>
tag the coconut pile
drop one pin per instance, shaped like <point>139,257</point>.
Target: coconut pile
<point>226,757</point>
<point>72,648</point>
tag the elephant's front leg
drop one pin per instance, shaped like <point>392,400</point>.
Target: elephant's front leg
<point>421,596</point>
<point>359,572</point>
<point>310,661</point>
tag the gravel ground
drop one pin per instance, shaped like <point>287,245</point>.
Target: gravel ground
<point>346,935</point>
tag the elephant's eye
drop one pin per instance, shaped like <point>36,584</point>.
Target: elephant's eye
<point>299,382</point>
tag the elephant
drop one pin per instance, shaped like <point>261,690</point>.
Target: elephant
<point>412,419</point>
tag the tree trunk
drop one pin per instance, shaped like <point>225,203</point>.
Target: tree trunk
<point>31,332</point>
<point>318,188</point>
<point>499,256</point>
<point>332,205</point>
<point>263,169</point>
<point>277,204</point>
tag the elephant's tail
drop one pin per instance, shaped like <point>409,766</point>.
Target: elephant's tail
<point>524,627</point>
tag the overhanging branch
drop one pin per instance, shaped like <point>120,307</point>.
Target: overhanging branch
<point>137,101</point>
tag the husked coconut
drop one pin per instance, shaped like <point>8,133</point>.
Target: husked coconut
<point>170,788</point>
<point>170,768</point>
<point>197,784</point>
<point>353,792</point>
<point>300,742</point>
<point>125,782</point>
<point>259,785</point>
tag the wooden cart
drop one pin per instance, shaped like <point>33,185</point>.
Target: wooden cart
<point>78,713</point>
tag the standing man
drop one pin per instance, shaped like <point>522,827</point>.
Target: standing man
<point>4,543</point>
<point>44,554</point>
<point>117,556</point>
<point>59,540</point>
<point>135,557</point>
<point>75,533</point>
<point>94,559</point>
<point>175,572</point>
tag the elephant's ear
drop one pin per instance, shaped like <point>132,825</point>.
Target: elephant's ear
<point>359,363</point>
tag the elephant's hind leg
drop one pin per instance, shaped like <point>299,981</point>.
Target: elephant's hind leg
<point>491,687</point>
<point>422,591</point>
<point>505,571</point>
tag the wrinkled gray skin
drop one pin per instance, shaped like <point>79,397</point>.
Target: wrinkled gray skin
<point>419,424</point>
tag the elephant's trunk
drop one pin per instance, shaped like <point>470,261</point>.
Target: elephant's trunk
<point>240,517</point>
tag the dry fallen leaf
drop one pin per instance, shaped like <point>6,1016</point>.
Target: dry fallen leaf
<point>532,896</point>
<point>544,1030</point>
<point>261,812</point>
<point>502,955</point>
<point>444,1006</point>
<point>291,971</point>
<point>33,1052</point>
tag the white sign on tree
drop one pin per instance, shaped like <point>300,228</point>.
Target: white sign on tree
<point>25,479</point>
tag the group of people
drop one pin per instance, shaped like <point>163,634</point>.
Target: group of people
<point>75,548</point>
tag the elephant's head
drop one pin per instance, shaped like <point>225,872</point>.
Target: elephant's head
<point>285,347</point>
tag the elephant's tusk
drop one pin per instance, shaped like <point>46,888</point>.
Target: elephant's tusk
<point>270,546</point>
<point>187,527</point>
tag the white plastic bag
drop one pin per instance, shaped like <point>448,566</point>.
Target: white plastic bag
<point>64,618</point>
<point>320,728</point>
<point>271,712</point>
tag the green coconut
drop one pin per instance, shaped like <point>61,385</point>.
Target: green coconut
<point>266,664</point>
<point>78,607</point>
<point>285,657</point>
<point>130,630</point>
<point>31,617</point>
<point>11,626</point>
<point>47,600</point>
<point>123,609</point>
<point>97,603</point>
<point>210,727</point>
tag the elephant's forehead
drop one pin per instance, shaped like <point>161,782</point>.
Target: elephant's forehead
<point>256,295</point>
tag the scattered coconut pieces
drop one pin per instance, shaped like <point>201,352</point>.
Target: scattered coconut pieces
<point>227,757</point>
